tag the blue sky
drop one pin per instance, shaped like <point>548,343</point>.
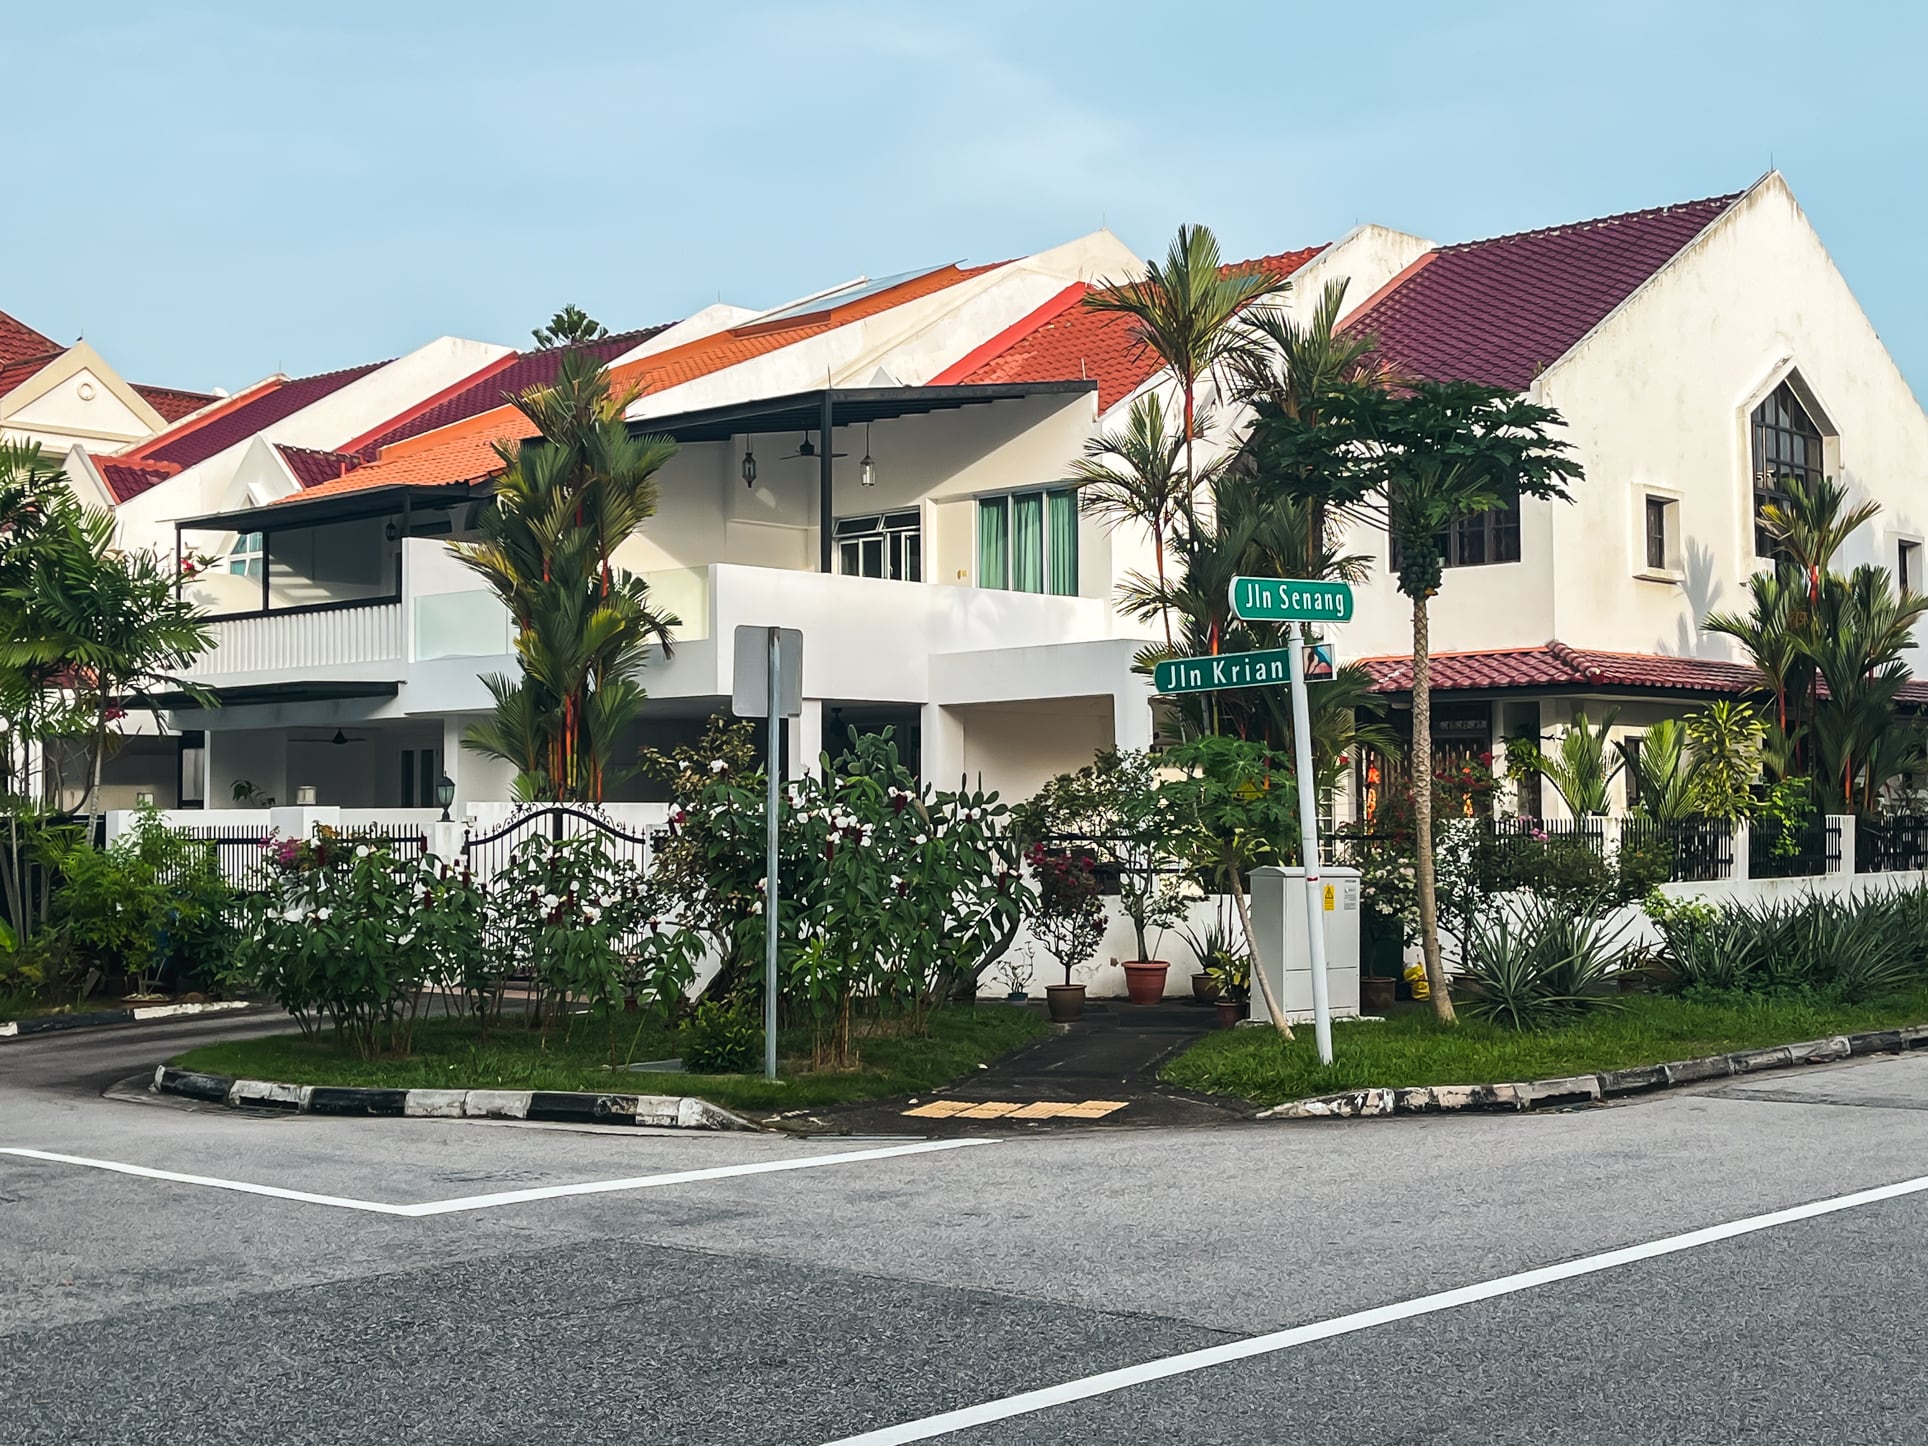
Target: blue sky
<point>218,192</point>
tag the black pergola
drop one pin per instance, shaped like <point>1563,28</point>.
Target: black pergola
<point>828,408</point>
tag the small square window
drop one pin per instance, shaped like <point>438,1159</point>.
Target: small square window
<point>1908,567</point>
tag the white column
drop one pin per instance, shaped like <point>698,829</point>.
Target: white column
<point>1845,822</point>
<point>942,733</point>
<point>453,727</point>
<point>806,739</point>
<point>1131,715</point>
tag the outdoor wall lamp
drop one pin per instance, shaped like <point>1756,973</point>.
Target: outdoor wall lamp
<point>749,466</point>
<point>870,467</point>
<point>445,795</point>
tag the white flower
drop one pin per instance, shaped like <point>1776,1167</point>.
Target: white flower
<point>323,913</point>
<point>757,907</point>
<point>406,939</point>
<point>920,839</point>
<point>549,901</point>
<point>361,851</point>
<point>717,765</point>
<point>684,766</point>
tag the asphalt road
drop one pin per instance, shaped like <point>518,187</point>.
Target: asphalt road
<point>853,1290</point>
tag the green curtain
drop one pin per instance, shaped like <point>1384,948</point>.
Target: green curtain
<point>1063,530</point>
<point>993,542</point>
<point>1027,542</point>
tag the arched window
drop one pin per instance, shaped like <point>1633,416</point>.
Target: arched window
<point>1786,444</point>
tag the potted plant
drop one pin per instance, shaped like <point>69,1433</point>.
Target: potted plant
<point>1113,812</point>
<point>1068,919</point>
<point>1232,972</point>
<point>1208,948</point>
<point>1017,977</point>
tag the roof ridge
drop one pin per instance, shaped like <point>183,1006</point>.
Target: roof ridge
<point>1618,217</point>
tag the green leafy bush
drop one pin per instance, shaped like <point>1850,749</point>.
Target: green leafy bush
<point>1842,949</point>
<point>721,1039</point>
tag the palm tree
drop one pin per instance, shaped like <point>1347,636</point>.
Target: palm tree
<point>1438,453</point>
<point>1134,475</point>
<point>1183,312</point>
<point>1666,771</point>
<point>566,502</point>
<point>1578,770</point>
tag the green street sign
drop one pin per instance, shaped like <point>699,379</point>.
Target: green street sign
<point>1290,600</point>
<point>1226,670</point>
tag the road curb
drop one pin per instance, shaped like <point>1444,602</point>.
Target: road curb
<point>1588,1089</point>
<point>94,1019</point>
<point>669,1112</point>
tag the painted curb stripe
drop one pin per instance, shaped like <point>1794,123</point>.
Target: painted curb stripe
<point>99,1018</point>
<point>1109,1381</point>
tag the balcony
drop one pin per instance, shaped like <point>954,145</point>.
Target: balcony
<point>334,642</point>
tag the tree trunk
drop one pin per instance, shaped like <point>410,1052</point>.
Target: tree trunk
<point>1272,1006</point>
<point>1422,786</point>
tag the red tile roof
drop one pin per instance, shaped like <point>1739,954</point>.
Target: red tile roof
<point>512,376</point>
<point>1502,311</point>
<point>18,341</point>
<point>172,402</point>
<point>244,416</point>
<point>313,467</point>
<point>1062,343</point>
<point>127,480</point>
<point>465,450</point>
<point>1558,666</point>
<point>12,374</point>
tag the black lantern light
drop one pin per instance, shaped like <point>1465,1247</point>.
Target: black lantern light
<point>445,795</point>
<point>749,466</point>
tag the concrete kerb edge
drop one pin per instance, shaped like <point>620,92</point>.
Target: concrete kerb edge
<point>1588,1089</point>
<point>100,1018</point>
<point>674,1112</point>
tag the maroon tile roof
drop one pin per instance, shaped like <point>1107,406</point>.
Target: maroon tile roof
<point>127,480</point>
<point>313,467</point>
<point>1063,341</point>
<point>528,369</point>
<point>172,402</point>
<point>1558,666</point>
<point>18,341</point>
<point>1502,311</point>
<point>250,413</point>
<point>12,374</point>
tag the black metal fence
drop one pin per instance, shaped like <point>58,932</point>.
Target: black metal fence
<point>1888,845</point>
<point>1778,850</point>
<point>1699,849</point>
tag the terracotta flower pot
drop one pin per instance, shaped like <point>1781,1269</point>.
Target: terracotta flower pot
<point>1376,995</point>
<point>1065,1001</point>
<point>1204,987</point>
<point>1230,1012</point>
<point>1145,981</point>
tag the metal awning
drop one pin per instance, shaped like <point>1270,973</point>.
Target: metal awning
<point>849,406</point>
<point>299,511</point>
<point>246,695</point>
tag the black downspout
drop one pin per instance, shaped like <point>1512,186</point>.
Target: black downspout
<point>825,424</point>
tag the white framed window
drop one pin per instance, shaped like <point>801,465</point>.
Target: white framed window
<point>888,544</point>
<point>1028,541</point>
<point>1657,541</point>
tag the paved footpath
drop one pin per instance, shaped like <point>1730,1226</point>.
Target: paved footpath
<point>1695,1267</point>
<point>1100,1071</point>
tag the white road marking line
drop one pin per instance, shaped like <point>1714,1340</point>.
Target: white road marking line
<point>1029,1401</point>
<point>340,1202</point>
<point>508,1197</point>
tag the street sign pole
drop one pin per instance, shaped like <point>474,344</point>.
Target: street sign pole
<point>1309,843</point>
<point>771,892</point>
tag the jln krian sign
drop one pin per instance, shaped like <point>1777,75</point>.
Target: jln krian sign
<point>1226,670</point>
<point>1290,600</point>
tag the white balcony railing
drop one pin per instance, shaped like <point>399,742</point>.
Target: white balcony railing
<point>296,643</point>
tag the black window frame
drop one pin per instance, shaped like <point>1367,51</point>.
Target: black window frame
<point>1785,442</point>
<point>1475,541</point>
<point>1907,565</point>
<point>1658,517</point>
<point>900,534</point>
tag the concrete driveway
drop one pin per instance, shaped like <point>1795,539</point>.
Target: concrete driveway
<point>283,1279</point>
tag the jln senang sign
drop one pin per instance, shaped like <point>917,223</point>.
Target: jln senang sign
<point>1290,600</point>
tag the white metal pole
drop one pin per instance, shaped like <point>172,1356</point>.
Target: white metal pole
<point>1298,639</point>
<point>773,720</point>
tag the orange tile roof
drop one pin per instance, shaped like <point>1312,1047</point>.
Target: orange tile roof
<point>465,450</point>
<point>1073,343</point>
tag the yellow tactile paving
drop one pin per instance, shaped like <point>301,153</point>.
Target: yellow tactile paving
<point>1006,1109</point>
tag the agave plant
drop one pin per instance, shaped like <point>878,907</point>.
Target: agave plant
<point>1539,961</point>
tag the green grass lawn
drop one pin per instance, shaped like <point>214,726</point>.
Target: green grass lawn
<point>450,1054</point>
<point>1410,1049</point>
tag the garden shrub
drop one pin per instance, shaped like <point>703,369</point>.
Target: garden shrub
<point>1847,950</point>
<point>721,1039</point>
<point>1538,961</point>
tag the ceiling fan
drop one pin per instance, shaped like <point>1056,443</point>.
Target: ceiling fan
<point>807,449</point>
